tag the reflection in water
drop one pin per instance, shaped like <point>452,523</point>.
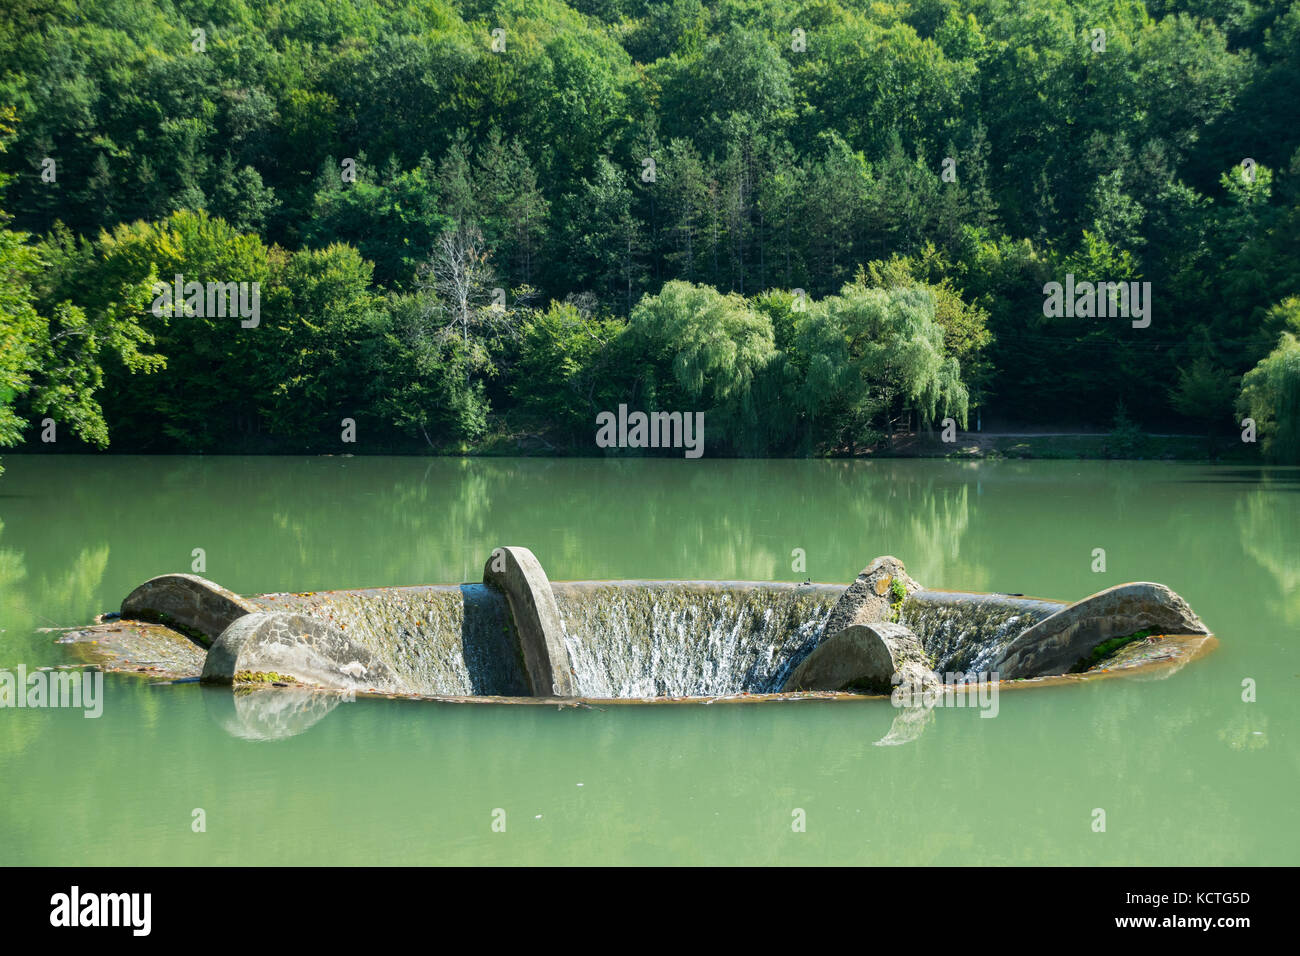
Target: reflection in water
<point>26,605</point>
<point>12,572</point>
<point>1274,544</point>
<point>315,523</point>
<point>908,725</point>
<point>271,713</point>
<point>941,516</point>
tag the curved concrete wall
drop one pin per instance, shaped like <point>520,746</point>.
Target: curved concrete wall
<point>518,573</point>
<point>873,657</point>
<point>1063,641</point>
<point>439,639</point>
<point>188,602</point>
<point>274,644</point>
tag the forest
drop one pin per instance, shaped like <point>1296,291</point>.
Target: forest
<point>472,227</point>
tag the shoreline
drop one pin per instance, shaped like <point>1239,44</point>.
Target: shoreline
<point>970,446</point>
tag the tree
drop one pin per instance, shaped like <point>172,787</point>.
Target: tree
<point>600,242</point>
<point>214,390</point>
<point>834,212</point>
<point>460,277</point>
<point>684,188</point>
<point>53,358</point>
<point>514,211</point>
<point>966,335</point>
<point>788,164</point>
<point>738,78</point>
<point>421,380</point>
<point>1204,394</point>
<point>392,217</point>
<point>896,350</point>
<point>568,370</point>
<point>327,330</point>
<point>1270,394</point>
<point>702,352</point>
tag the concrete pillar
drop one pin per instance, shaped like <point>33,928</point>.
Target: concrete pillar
<point>519,575</point>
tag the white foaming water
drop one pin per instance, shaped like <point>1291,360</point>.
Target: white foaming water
<point>968,632</point>
<point>678,639</point>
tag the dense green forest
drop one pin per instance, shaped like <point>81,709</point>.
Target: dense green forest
<point>473,226</point>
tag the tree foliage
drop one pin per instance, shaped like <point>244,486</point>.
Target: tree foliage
<point>913,168</point>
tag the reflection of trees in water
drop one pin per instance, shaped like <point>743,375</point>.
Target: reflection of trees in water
<point>738,519</point>
<point>645,518</point>
<point>75,586</point>
<point>1270,539</point>
<point>15,734</point>
<point>29,603</point>
<point>13,601</point>
<point>938,525</point>
<point>314,523</point>
<point>424,525</point>
<point>1113,745</point>
<point>57,597</point>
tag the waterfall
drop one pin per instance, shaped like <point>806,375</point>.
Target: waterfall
<point>439,639</point>
<point>678,639</point>
<point>646,638</point>
<point>967,632</point>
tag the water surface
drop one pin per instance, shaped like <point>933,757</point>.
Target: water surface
<point>1186,772</point>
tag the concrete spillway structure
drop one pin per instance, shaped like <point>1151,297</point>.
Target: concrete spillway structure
<point>519,637</point>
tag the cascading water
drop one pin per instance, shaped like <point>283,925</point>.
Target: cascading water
<point>646,639</point>
<point>679,639</point>
<point>439,639</point>
<point>967,633</point>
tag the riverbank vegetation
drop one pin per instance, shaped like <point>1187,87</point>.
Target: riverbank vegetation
<point>475,225</point>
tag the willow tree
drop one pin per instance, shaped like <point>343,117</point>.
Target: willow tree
<point>1270,394</point>
<point>704,349</point>
<point>872,356</point>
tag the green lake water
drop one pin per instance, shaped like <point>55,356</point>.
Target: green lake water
<point>1186,772</point>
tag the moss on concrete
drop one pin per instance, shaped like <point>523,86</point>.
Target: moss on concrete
<point>263,677</point>
<point>1106,648</point>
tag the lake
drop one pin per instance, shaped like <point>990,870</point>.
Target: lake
<point>1185,770</point>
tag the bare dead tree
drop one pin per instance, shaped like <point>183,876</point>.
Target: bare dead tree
<point>459,274</point>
